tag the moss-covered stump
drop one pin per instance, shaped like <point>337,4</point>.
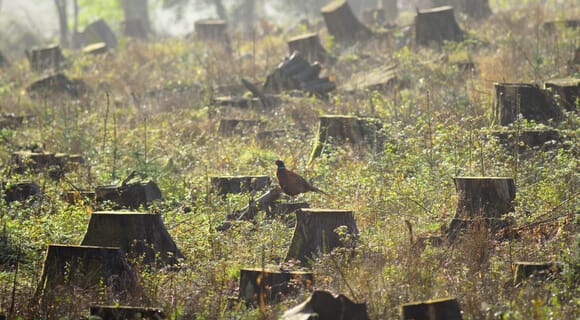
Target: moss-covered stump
<point>323,305</point>
<point>482,200</point>
<point>259,286</point>
<point>440,309</point>
<point>239,184</point>
<point>130,195</point>
<point>127,313</point>
<point>47,58</point>
<point>524,270</point>
<point>315,233</point>
<point>342,24</point>
<point>85,267</point>
<point>565,92</point>
<point>341,129</point>
<point>533,103</point>
<point>310,47</point>
<point>436,25</point>
<point>142,236</point>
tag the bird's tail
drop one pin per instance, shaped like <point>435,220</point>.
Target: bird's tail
<point>315,189</point>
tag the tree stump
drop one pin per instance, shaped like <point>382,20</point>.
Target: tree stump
<point>314,233</point>
<point>259,286</point>
<point>129,195</point>
<point>20,191</point>
<point>85,267</point>
<point>76,196</point>
<point>127,313</point>
<point>340,130</point>
<point>99,32</point>
<point>436,25</point>
<point>54,84</point>
<point>440,309</point>
<point>565,92</point>
<point>527,139</point>
<point>576,60</point>
<point>212,30</point>
<point>41,161</point>
<point>241,127</point>
<point>140,235</point>
<point>3,61</point>
<point>323,305</point>
<point>538,270</point>
<point>239,184</point>
<point>533,103</point>
<point>309,45</point>
<point>342,24</point>
<point>47,58</point>
<point>482,199</point>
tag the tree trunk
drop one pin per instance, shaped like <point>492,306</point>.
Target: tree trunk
<point>442,309</point>
<point>533,103</point>
<point>140,235</point>
<point>436,25</point>
<point>258,286</point>
<point>315,232</point>
<point>136,13</point>
<point>220,10</point>
<point>63,22</point>
<point>391,9</point>
<point>342,24</point>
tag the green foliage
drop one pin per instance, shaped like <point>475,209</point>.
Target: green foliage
<point>110,10</point>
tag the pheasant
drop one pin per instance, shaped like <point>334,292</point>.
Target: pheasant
<point>292,183</point>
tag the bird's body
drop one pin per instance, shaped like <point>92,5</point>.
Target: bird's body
<point>292,183</point>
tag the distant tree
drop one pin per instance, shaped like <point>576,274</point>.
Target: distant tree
<point>63,21</point>
<point>137,10</point>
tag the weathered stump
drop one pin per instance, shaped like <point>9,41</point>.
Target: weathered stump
<point>20,191</point>
<point>565,92</point>
<point>55,84</point>
<point>323,305</point>
<point>99,32</point>
<point>533,103</point>
<point>135,28</point>
<point>85,267</point>
<point>441,309</point>
<point>310,47</point>
<point>342,24</point>
<point>213,30</point>
<point>129,195</point>
<point>315,232</point>
<point>259,286</point>
<point>140,235</point>
<point>482,200</point>
<point>127,313</point>
<point>238,184</point>
<point>47,58</point>
<point>538,270</point>
<point>230,127</point>
<point>339,130</point>
<point>436,25</point>
<point>96,48</point>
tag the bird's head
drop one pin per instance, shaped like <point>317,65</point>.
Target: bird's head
<point>280,164</point>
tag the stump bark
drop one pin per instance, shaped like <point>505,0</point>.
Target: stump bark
<point>315,232</point>
<point>127,313</point>
<point>309,45</point>
<point>259,286</point>
<point>436,25</point>
<point>136,28</point>
<point>323,305</point>
<point>85,267</point>
<point>340,130</point>
<point>342,24</point>
<point>533,103</point>
<point>482,200</point>
<point>214,30</point>
<point>142,236</point>
<point>97,32</point>
<point>540,270</point>
<point>565,92</point>
<point>441,309</point>
<point>129,195</point>
<point>47,58</point>
<point>239,184</point>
